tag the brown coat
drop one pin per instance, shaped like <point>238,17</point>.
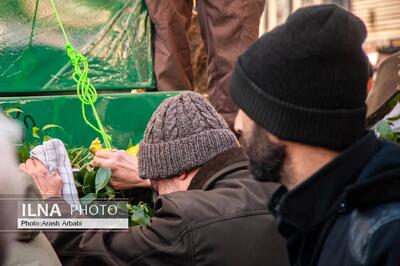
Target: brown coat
<point>222,220</point>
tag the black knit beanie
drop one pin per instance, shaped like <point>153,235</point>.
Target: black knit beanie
<point>306,80</point>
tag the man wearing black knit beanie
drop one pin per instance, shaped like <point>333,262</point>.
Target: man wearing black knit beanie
<point>302,90</point>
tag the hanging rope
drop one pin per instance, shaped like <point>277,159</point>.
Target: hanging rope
<point>33,23</point>
<point>86,92</point>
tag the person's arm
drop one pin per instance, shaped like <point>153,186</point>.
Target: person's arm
<point>165,239</point>
<point>165,236</point>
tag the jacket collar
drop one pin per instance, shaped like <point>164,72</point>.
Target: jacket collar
<point>218,167</point>
<point>312,202</point>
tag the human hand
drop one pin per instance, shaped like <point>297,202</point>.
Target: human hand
<point>124,169</point>
<point>49,184</point>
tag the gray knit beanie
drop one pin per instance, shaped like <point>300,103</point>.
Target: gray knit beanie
<point>184,133</point>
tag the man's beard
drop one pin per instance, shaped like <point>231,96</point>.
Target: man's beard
<point>266,157</point>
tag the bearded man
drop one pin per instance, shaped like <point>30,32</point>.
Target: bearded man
<point>302,88</point>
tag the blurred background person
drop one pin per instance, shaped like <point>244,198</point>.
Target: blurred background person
<point>383,99</point>
<point>385,52</point>
<point>21,248</point>
<point>228,27</point>
<point>8,170</point>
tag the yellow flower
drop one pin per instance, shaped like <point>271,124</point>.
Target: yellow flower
<point>134,150</point>
<point>95,146</point>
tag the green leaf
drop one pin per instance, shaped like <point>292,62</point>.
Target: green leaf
<point>89,179</point>
<point>139,217</point>
<point>48,126</point>
<point>86,190</point>
<point>78,185</point>
<point>103,176</point>
<point>110,189</point>
<point>13,110</point>
<point>140,214</point>
<point>78,176</point>
<point>110,192</point>
<point>87,199</point>
<point>46,138</point>
<point>34,132</point>
<point>111,196</point>
<point>102,194</point>
<point>23,153</point>
<point>385,131</point>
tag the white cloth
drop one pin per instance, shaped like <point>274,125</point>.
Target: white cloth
<point>54,156</point>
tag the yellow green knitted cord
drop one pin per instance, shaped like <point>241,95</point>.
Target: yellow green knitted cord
<point>86,91</point>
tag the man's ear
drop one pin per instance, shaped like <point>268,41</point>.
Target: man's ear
<point>188,174</point>
<point>183,176</point>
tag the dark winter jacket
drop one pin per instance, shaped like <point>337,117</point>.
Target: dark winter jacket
<point>222,220</point>
<point>348,213</point>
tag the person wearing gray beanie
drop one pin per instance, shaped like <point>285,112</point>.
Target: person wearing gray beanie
<point>207,203</point>
<point>183,133</point>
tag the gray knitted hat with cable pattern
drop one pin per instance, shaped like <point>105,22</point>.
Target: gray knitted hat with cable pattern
<point>184,133</point>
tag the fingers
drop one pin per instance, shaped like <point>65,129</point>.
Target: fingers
<point>106,163</point>
<point>30,170</point>
<point>97,161</point>
<point>41,169</point>
<point>38,163</point>
<point>104,154</point>
<point>105,159</point>
<point>113,184</point>
<point>35,169</point>
<point>30,165</point>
